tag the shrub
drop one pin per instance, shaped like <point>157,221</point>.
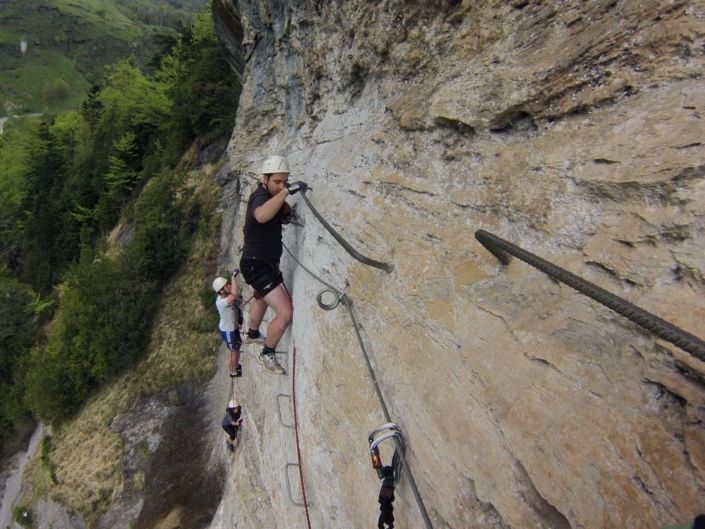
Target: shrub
<point>56,91</point>
<point>22,516</point>
<point>46,450</point>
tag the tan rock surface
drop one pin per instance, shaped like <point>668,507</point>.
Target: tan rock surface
<point>573,129</point>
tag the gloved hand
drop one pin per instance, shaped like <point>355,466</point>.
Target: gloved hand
<point>236,272</point>
<point>296,187</point>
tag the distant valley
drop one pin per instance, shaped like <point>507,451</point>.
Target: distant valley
<point>52,51</point>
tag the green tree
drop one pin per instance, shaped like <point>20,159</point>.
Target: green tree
<point>17,328</point>
<point>45,246</point>
<point>101,328</point>
<point>64,184</point>
<point>56,91</point>
<point>204,89</point>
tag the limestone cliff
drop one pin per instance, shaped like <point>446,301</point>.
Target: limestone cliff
<point>572,128</point>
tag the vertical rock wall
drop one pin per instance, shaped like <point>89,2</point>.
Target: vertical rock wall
<point>574,129</point>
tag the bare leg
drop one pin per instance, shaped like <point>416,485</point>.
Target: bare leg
<point>279,301</point>
<point>259,307</point>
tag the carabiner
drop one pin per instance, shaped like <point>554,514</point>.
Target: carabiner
<point>393,431</point>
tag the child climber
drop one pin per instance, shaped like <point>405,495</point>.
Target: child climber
<point>231,423</point>
<point>228,304</point>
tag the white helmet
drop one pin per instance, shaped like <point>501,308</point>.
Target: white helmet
<point>219,283</point>
<point>275,164</point>
<point>232,404</point>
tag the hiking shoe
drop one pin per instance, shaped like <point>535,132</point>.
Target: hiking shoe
<point>231,446</point>
<point>272,364</point>
<point>237,373</point>
<point>259,340</point>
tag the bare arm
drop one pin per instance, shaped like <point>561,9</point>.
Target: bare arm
<point>266,211</point>
<point>232,296</point>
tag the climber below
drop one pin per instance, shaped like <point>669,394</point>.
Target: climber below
<point>231,423</point>
<point>228,304</point>
<point>266,211</point>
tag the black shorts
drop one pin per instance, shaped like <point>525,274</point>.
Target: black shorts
<point>231,431</point>
<point>261,275</point>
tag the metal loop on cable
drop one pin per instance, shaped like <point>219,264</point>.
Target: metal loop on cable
<point>328,306</point>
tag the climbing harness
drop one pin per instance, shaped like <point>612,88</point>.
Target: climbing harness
<point>661,328</point>
<point>393,431</point>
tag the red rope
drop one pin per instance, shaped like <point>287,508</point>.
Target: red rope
<point>296,430</point>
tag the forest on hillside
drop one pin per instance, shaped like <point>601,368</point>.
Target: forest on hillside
<point>75,311</point>
<point>52,51</point>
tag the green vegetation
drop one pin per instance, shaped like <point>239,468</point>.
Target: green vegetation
<point>143,447</point>
<point>67,44</point>
<point>64,184</point>
<point>87,456</point>
<point>159,12</point>
<point>22,516</point>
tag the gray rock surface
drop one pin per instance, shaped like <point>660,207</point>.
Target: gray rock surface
<point>573,129</point>
<point>174,465</point>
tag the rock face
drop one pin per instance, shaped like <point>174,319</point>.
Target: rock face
<point>574,129</point>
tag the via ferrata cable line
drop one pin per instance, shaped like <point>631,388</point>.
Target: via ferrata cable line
<point>357,255</point>
<point>341,296</point>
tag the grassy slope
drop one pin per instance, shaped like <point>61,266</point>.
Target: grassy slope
<point>65,40</point>
<point>87,457</point>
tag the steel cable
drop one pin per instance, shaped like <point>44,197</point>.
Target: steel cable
<point>661,328</point>
<point>352,251</point>
<point>357,255</point>
<point>341,296</point>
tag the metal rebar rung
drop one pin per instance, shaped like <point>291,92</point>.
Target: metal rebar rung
<point>660,327</point>
<point>279,409</point>
<point>288,485</point>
